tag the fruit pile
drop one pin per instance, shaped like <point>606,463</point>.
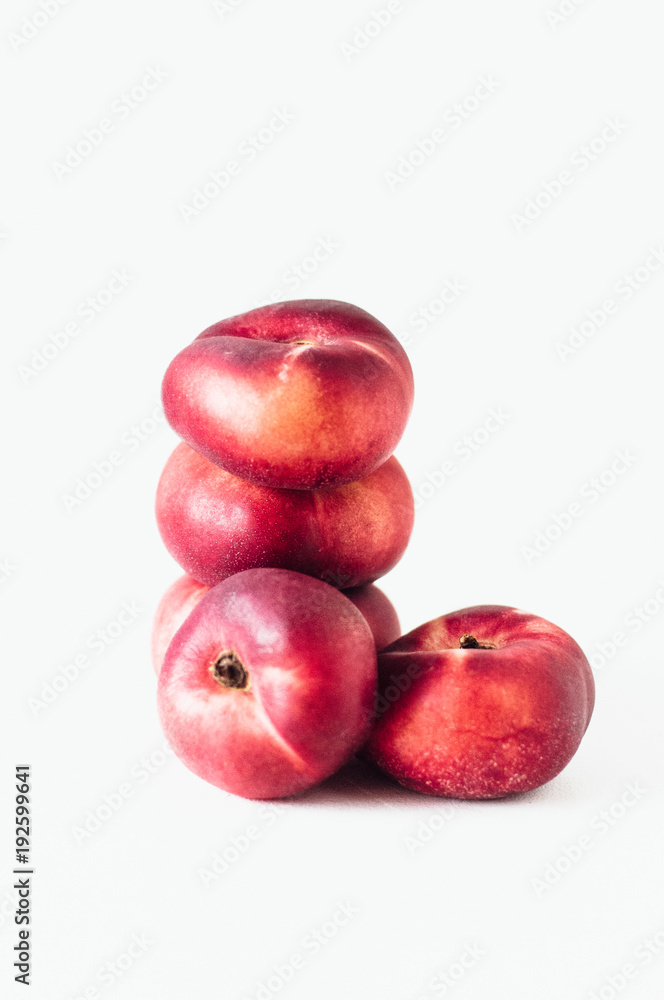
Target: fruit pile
<point>283,504</point>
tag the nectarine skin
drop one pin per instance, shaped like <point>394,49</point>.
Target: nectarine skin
<point>303,394</point>
<point>269,685</point>
<point>173,609</point>
<point>181,598</point>
<point>379,612</point>
<point>215,524</point>
<point>479,723</point>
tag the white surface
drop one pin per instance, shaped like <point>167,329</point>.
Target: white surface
<point>470,885</point>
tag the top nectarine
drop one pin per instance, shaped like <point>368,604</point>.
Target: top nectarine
<point>303,394</point>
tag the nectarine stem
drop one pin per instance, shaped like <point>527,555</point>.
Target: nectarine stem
<point>228,670</point>
<point>470,642</point>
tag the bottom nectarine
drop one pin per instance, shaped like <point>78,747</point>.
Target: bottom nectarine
<point>269,685</point>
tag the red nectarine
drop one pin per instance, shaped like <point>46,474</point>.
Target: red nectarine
<point>182,597</point>
<point>215,524</point>
<point>303,394</point>
<point>480,703</point>
<point>269,685</point>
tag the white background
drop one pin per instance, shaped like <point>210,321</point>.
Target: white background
<point>421,903</point>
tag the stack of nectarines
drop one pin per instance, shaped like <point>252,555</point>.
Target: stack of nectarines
<point>283,504</point>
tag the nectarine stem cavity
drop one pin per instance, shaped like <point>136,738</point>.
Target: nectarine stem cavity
<point>228,670</point>
<point>470,642</point>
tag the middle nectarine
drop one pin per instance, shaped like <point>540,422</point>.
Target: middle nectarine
<point>215,524</point>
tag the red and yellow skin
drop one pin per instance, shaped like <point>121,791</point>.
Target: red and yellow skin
<point>306,394</point>
<point>504,714</point>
